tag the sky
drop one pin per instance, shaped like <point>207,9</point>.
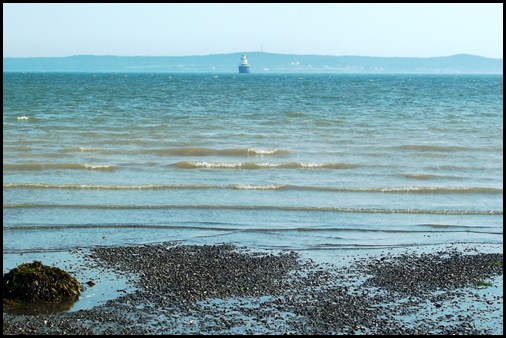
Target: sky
<point>381,30</point>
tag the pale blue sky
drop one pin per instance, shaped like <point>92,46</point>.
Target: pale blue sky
<point>385,30</point>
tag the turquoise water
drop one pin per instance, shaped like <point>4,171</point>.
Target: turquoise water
<point>308,162</point>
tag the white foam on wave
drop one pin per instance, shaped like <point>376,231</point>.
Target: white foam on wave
<point>99,166</point>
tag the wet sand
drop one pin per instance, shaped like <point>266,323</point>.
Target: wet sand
<point>224,289</point>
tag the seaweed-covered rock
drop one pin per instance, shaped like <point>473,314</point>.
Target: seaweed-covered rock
<point>34,282</point>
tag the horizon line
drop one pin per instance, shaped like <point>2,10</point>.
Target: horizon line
<point>257,52</point>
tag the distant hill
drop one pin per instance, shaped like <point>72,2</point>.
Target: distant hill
<point>260,63</point>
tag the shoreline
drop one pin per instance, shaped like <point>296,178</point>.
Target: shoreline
<point>167,288</point>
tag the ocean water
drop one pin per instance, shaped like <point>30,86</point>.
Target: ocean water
<point>317,163</point>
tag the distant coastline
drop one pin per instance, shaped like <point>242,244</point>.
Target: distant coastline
<point>260,63</point>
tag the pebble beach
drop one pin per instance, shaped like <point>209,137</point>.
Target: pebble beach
<point>226,289</point>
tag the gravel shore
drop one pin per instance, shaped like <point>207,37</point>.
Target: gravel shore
<point>224,289</point>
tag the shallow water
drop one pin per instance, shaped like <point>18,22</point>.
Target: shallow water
<point>309,162</point>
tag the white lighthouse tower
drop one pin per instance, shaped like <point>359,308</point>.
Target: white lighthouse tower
<point>244,65</point>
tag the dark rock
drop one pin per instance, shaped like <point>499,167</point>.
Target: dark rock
<point>36,282</point>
